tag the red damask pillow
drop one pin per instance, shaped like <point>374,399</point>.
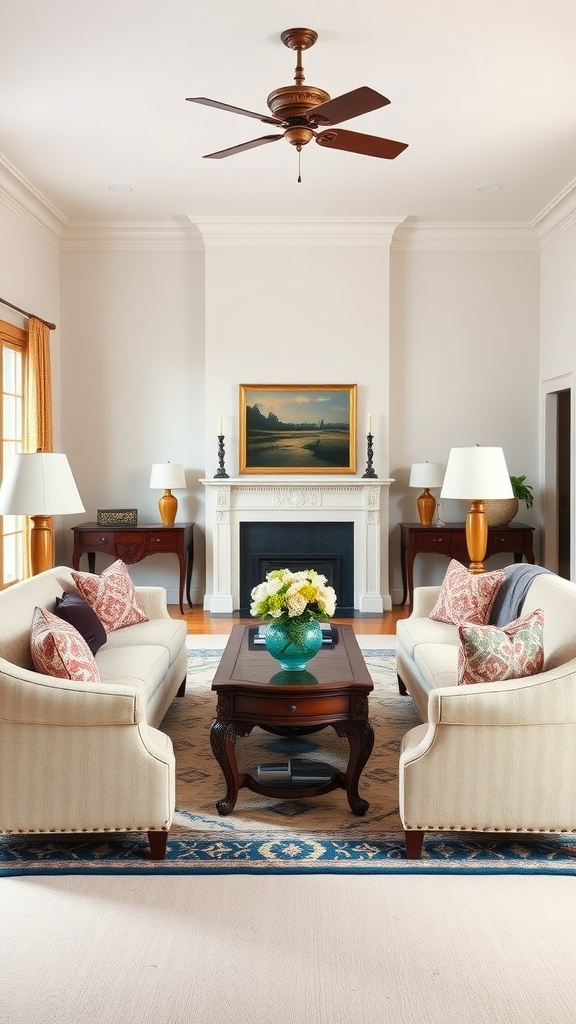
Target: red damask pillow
<point>466,596</point>
<point>112,596</point>
<point>57,649</point>
<point>489,654</point>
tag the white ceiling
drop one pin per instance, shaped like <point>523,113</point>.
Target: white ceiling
<point>93,94</point>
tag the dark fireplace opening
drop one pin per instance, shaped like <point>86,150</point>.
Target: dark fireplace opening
<point>326,547</point>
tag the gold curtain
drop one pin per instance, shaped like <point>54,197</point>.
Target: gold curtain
<point>38,399</point>
<point>38,389</point>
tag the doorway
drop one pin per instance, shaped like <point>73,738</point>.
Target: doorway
<point>559,553</point>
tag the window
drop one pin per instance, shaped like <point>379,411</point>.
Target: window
<point>13,343</point>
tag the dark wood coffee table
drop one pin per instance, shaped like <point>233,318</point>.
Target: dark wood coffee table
<point>253,691</point>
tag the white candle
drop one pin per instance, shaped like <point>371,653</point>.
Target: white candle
<point>220,424</point>
<point>369,423</point>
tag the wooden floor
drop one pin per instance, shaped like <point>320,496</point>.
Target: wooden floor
<point>199,621</point>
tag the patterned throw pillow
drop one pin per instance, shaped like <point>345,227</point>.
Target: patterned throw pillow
<point>75,610</point>
<point>466,596</point>
<point>112,596</point>
<point>490,655</point>
<point>57,649</point>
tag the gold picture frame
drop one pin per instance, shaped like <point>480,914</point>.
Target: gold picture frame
<point>297,428</point>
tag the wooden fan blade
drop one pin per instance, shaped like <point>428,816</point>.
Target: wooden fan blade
<point>265,118</point>
<point>366,145</point>
<point>350,104</point>
<point>242,147</point>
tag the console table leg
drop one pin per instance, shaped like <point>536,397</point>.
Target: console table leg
<point>189,565</point>
<point>182,562</point>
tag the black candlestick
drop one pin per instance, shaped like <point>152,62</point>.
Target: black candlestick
<point>221,471</point>
<point>369,453</point>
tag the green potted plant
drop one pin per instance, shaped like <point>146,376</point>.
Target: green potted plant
<point>522,491</point>
<point>501,511</point>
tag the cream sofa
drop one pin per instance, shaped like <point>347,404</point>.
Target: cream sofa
<point>490,757</point>
<point>88,757</point>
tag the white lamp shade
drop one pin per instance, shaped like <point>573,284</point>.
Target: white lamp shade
<point>39,483</point>
<point>168,475</point>
<point>476,473</point>
<point>426,474</point>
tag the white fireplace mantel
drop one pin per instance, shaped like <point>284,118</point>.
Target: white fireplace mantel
<point>235,500</point>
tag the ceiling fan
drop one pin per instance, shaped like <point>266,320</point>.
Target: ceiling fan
<point>300,109</point>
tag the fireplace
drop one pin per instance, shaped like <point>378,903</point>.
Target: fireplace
<point>326,547</point>
<point>313,505</point>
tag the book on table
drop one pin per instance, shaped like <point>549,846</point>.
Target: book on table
<point>297,771</point>
<point>279,771</point>
<point>311,772</point>
<point>328,634</point>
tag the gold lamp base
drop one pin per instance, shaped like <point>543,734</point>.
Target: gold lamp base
<point>168,507</point>
<point>476,536</point>
<point>41,544</point>
<point>426,504</point>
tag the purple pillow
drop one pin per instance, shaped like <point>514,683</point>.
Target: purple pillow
<point>75,610</point>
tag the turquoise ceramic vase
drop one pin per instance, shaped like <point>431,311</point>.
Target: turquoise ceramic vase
<point>293,642</point>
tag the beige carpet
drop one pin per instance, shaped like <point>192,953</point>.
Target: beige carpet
<point>324,949</point>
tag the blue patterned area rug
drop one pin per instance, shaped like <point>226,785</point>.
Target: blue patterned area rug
<point>267,835</point>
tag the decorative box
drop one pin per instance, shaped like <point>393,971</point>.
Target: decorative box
<point>117,517</point>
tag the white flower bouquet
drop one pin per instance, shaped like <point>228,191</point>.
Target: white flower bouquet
<point>290,595</point>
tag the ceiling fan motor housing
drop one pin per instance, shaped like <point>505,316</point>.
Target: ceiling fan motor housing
<point>295,102</point>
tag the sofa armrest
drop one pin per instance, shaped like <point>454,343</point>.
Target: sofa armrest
<point>153,601</point>
<point>543,699</point>
<point>30,698</point>
<point>424,600</point>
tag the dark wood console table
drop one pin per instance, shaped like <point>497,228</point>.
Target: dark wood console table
<point>133,543</point>
<point>450,540</point>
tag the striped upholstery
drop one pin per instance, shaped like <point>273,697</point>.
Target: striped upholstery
<point>88,757</point>
<point>494,756</point>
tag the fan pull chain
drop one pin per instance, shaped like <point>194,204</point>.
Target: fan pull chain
<point>299,148</point>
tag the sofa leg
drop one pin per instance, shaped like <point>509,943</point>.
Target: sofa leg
<point>414,841</point>
<point>182,689</point>
<point>158,843</point>
<point>401,688</point>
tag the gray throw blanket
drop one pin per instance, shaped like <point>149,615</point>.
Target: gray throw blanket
<point>513,589</point>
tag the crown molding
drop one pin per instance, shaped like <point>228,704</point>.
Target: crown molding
<point>190,232</point>
<point>558,216</point>
<point>21,197</point>
<point>296,230</point>
<point>165,236</point>
<point>470,237</point>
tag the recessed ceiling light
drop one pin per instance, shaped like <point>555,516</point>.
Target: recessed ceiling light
<point>492,187</point>
<point>119,188</point>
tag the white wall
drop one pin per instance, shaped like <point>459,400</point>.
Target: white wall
<point>558,307</point>
<point>464,370</point>
<point>29,278</point>
<point>133,386</point>
<point>306,312</point>
<point>557,372</point>
<point>153,341</point>
<point>297,314</point>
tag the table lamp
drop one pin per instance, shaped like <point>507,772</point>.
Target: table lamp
<point>469,473</point>
<point>426,475</point>
<point>39,485</point>
<point>167,475</point>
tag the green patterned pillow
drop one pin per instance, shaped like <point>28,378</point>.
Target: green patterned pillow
<point>488,654</point>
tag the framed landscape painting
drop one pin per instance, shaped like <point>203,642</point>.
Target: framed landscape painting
<point>298,428</point>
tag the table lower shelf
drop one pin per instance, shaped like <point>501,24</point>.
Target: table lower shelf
<point>283,790</point>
